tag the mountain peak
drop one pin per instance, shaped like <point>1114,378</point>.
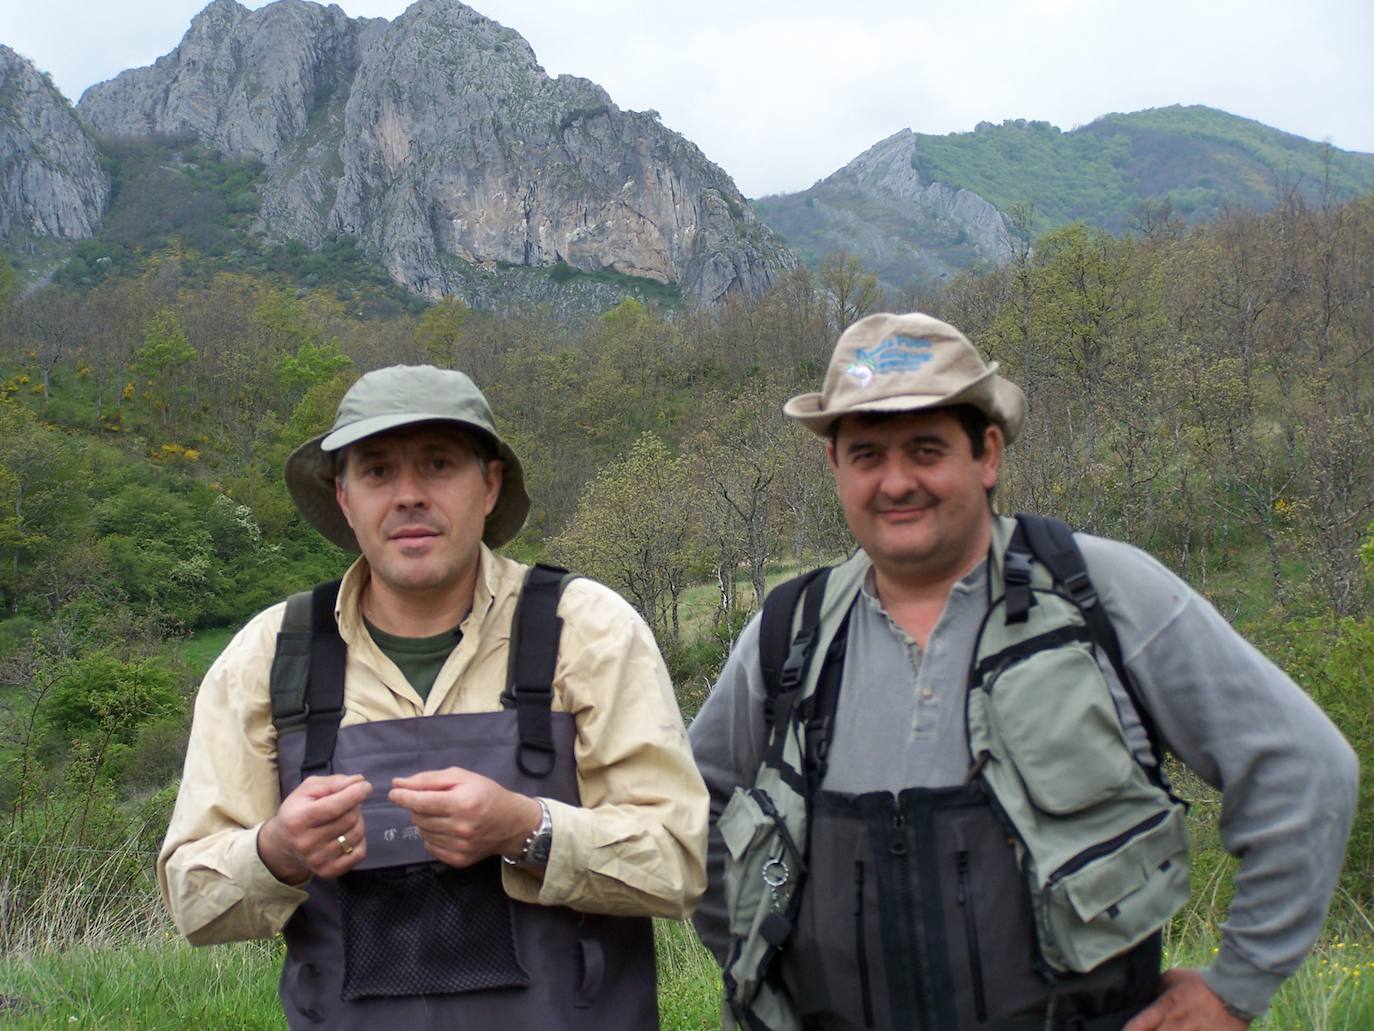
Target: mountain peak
<point>438,141</point>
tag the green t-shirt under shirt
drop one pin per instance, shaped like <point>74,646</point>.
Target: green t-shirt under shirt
<point>419,658</point>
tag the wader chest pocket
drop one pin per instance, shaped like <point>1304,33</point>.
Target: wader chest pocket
<point>1115,895</point>
<point>746,831</point>
<point>1056,720</point>
<point>428,929</point>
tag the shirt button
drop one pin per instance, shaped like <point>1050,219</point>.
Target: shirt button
<point>927,693</point>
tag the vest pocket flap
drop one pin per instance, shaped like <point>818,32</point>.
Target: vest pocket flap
<point>741,823</point>
<point>1108,882</point>
<point>1056,719</point>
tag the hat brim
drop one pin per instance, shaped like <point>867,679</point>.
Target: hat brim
<point>999,399</point>
<point>310,473</point>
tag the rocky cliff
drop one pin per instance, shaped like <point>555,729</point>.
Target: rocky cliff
<point>911,231</point>
<point>51,180</point>
<point>440,143</point>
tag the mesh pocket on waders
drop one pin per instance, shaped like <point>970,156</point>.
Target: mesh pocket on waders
<point>427,930</point>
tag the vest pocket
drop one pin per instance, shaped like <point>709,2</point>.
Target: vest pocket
<point>1114,895</point>
<point>964,895</point>
<point>1054,715</point>
<point>427,930</point>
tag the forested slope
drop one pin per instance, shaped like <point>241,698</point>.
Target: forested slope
<point>1206,393</point>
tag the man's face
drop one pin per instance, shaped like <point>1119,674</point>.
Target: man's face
<point>417,500</point>
<point>913,494</point>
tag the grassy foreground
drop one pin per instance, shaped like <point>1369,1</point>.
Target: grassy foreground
<point>169,986</point>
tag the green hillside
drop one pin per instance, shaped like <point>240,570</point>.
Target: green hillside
<point>1198,158</point>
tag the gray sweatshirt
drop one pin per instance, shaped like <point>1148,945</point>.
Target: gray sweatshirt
<point>1287,777</point>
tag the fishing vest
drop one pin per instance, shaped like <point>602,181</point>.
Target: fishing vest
<point>402,940</point>
<point>1030,896</point>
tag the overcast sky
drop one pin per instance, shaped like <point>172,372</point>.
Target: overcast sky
<point>781,93</point>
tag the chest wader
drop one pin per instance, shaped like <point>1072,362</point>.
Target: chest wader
<point>403,941</point>
<point>1028,897</point>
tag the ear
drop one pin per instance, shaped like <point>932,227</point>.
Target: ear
<point>341,496</point>
<point>830,452</point>
<point>495,471</point>
<point>994,444</point>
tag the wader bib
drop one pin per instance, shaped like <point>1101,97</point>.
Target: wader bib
<point>403,941</point>
<point>982,905</point>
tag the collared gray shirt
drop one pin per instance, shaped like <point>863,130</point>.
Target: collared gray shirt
<point>901,702</point>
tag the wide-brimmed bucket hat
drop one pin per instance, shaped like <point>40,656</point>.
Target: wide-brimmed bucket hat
<point>899,363</point>
<point>386,399</point>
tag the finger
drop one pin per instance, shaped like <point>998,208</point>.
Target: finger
<point>433,780</point>
<point>425,803</point>
<point>320,785</point>
<point>341,841</point>
<point>333,807</point>
<point>1149,1019</point>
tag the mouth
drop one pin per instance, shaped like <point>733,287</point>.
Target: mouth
<point>412,533</point>
<point>902,513</point>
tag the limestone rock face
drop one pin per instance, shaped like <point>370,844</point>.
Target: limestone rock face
<point>51,180</point>
<point>886,167</point>
<point>911,232</point>
<point>437,136</point>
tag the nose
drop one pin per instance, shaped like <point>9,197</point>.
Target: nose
<point>899,477</point>
<point>410,488</point>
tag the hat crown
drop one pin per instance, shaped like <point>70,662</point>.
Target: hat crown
<point>411,390</point>
<point>887,356</point>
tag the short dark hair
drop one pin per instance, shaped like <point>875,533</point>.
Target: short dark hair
<point>476,440</point>
<point>974,421</point>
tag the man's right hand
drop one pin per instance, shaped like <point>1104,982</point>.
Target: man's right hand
<point>317,830</point>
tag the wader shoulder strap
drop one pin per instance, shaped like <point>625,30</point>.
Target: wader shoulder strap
<point>1050,542</point>
<point>783,656</point>
<point>535,633</point>
<point>784,660</point>
<point>307,680</point>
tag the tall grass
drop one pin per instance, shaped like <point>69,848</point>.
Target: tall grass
<point>165,984</point>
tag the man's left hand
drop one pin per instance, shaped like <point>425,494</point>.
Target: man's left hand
<point>464,817</point>
<point>1185,1003</point>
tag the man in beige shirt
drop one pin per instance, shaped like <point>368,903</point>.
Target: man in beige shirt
<point>425,871</point>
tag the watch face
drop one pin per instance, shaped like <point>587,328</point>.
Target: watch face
<point>540,848</point>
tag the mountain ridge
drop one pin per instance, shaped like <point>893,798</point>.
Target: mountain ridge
<point>1196,159</point>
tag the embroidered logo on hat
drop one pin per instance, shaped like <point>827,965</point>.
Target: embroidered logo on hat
<point>895,354</point>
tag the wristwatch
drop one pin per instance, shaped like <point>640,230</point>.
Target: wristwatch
<point>538,844</point>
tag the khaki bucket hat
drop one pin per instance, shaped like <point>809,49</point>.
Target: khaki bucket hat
<point>385,400</point>
<point>899,363</point>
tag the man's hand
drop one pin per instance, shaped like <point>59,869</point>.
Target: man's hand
<point>303,836</point>
<point>465,817</point>
<point>1185,1003</point>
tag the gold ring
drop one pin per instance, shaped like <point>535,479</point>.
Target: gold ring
<point>343,844</point>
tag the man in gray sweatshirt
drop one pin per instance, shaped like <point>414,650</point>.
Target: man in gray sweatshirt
<point>941,806</point>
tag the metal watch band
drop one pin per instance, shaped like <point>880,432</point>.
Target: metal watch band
<point>536,849</point>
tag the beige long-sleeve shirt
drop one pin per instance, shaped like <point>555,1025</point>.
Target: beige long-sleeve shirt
<point>635,846</point>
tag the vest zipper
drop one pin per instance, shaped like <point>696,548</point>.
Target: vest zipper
<point>860,945</point>
<point>1102,848</point>
<point>897,846</point>
<point>975,957</point>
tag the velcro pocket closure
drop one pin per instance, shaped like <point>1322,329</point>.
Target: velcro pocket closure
<point>1120,898</point>
<point>741,823</point>
<point>1054,715</point>
<point>1109,881</point>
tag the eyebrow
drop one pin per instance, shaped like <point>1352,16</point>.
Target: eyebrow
<point>922,438</point>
